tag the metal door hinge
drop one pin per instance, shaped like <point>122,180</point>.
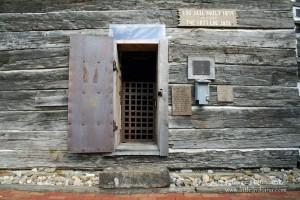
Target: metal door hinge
<point>115,66</point>
<point>115,127</point>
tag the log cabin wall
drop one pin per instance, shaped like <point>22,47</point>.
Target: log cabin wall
<point>259,128</point>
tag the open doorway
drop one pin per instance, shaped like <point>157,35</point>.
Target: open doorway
<point>138,66</point>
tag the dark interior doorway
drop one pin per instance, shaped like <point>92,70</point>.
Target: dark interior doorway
<point>138,99</point>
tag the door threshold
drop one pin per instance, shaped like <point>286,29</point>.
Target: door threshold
<point>135,149</point>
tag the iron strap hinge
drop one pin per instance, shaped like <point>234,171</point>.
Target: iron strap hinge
<point>115,66</point>
<point>115,127</point>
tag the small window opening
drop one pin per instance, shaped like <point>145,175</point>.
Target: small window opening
<point>138,93</point>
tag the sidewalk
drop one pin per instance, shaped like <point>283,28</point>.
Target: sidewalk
<point>25,195</point>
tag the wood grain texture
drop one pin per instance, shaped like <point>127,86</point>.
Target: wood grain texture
<point>226,138</point>
<point>199,37</point>
<point>241,75</point>
<point>34,140</point>
<point>33,100</point>
<point>84,19</point>
<point>199,160</point>
<point>41,39</point>
<point>205,118</point>
<point>56,78</point>
<point>73,20</point>
<point>45,58</point>
<point>225,74</point>
<point>258,59</point>
<point>50,98</point>
<point>34,79</point>
<point>57,5</point>
<point>215,38</point>
<point>34,120</point>
<point>254,96</point>
<point>243,117</point>
<point>235,138</point>
<point>236,55</point>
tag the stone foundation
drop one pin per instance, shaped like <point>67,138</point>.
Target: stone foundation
<point>178,179</point>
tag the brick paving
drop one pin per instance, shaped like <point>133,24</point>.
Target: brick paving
<point>25,195</point>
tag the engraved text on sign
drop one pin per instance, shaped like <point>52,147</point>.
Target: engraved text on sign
<point>181,100</point>
<point>207,17</point>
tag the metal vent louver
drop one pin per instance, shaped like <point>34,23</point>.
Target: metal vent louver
<point>201,68</point>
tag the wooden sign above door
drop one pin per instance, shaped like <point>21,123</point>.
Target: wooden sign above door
<point>207,18</point>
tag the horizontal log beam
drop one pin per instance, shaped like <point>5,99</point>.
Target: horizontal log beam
<point>33,140</point>
<point>235,55</point>
<point>234,117</point>
<point>21,6</point>
<point>73,20</point>
<point>243,96</point>
<point>34,120</point>
<point>203,117</point>
<point>234,138</point>
<point>45,58</point>
<point>215,38</point>
<point>57,78</point>
<point>241,75</point>
<point>199,160</point>
<point>228,138</point>
<point>34,79</point>
<point>200,37</point>
<point>253,96</point>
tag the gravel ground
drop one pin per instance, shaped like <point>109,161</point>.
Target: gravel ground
<point>49,176</point>
<point>258,177</point>
<point>182,178</point>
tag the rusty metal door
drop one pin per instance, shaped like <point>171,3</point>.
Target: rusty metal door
<point>90,94</point>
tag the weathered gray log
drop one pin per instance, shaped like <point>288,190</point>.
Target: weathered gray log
<point>243,96</point>
<point>201,38</point>
<point>34,120</point>
<point>72,20</point>
<point>225,74</point>
<point>207,117</point>
<point>232,38</point>
<point>266,96</point>
<point>236,55</point>
<point>269,17</point>
<point>228,138</point>
<point>33,140</point>
<point>22,6</point>
<point>238,117</point>
<point>235,138</point>
<point>241,75</point>
<point>33,100</point>
<point>297,3</point>
<point>17,100</point>
<point>260,96</point>
<point>51,98</point>
<point>41,39</point>
<point>34,79</point>
<point>202,159</point>
<point>34,59</point>
<point>85,19</point>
